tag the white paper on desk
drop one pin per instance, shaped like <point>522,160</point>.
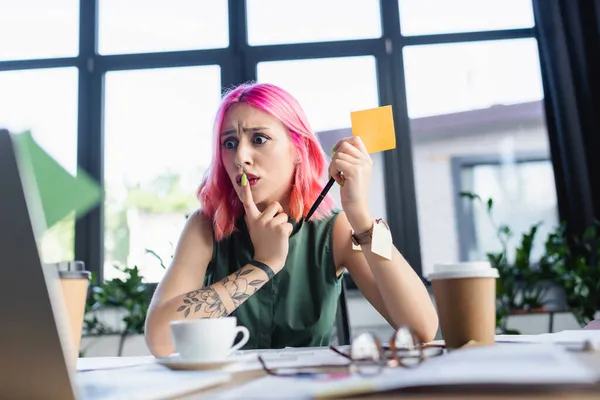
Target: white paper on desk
<point>291,358</point>
<point>498,364</point>
<point>148,382</point>
<point>573,337</point>
<point>98,363</point>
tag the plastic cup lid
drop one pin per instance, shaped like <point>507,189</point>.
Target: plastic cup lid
<point>474,269</point>
<point>70,266</point>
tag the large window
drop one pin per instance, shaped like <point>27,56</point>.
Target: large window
<point>44,101</point>
<point>427,17</point>
<point>32,29</point>
<point>129,90</point>
<point>469,99</point>
<point>143,26</point>
<point>523,193</point>
<point>281,22</point>
<point>158,145</point>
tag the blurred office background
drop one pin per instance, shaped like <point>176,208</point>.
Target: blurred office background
<point>127,89</point>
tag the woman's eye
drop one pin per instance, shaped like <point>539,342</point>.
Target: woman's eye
<point>260,139</point>
<point>229,144</point>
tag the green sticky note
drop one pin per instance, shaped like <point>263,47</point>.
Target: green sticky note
<point>60,192</point>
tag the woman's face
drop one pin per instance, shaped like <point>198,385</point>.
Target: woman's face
<point>258,144</point>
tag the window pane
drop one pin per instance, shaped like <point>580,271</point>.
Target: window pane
<point>449,78</point>
<point>38,29</point>
<point>158,143</point>
<point>321,86</point>
<point>426,17</point>
<point>470,101</point>
<point>280,22</point>
<point>44,101</point>
<point>145,26</point>
<point>523,193</point>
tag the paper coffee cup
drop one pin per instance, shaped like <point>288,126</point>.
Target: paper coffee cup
<point>465,297</point>
<point>74,280</point>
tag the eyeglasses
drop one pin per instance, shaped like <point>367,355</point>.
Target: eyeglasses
<point>367,356</point>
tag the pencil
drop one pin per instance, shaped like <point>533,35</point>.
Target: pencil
<point>320,199</point>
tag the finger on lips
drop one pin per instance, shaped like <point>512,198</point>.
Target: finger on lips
<point>252,211</point>
<point>273,213</point>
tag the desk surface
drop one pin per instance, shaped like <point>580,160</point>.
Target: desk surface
<point>589,359</point>
<point>518,393</point>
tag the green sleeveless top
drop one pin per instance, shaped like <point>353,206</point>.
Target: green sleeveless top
<point>296,308</point>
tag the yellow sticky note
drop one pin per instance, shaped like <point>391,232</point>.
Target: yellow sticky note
<point>375,127</point>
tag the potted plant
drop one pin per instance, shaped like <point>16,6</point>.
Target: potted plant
<point>576,263</point>
<point>128,297</point>
<point>521,286</point>
<point>570,262</point>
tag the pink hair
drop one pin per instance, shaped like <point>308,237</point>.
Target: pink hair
<point>218,198</point>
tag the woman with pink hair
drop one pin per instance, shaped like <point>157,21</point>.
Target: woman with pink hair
<point>249,252</point>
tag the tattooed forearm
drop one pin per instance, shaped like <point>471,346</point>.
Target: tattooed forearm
<point>209,302</point>
<point>215,301</point>
<point>206,300</point>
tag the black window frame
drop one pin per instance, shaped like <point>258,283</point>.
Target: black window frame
<point>238,64</point>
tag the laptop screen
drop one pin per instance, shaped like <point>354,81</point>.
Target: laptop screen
<point>35,334</point>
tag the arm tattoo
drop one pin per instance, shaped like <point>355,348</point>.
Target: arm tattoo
<point>238,288</point>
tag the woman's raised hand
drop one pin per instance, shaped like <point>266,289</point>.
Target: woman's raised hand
<point>269,230</point>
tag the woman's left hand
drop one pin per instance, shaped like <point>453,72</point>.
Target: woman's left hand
<point>351,167</point>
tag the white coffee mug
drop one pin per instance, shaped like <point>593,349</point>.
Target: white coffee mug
<point>207,339</point>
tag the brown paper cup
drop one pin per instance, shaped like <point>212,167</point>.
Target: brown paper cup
<point>74,282</point>
<point>466,304</point>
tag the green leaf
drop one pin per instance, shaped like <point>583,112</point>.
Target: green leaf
<point>469,195</point>
<point>504,229</point>
<point>60,192</point>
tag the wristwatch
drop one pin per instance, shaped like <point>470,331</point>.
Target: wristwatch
<point>365,237</point>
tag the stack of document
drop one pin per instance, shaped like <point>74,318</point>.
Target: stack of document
<point>580,339</point>
<point>501,364</point>
<point>146,381</point>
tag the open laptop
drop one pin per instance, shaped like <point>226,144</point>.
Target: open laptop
<point>35,339</point>
<point>33,327</point>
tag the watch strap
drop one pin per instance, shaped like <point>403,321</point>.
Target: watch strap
<point>267,270</point>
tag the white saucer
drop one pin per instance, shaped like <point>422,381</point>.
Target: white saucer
<point>175,362</point>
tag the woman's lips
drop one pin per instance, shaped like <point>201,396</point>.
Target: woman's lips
<point>252,179</point>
